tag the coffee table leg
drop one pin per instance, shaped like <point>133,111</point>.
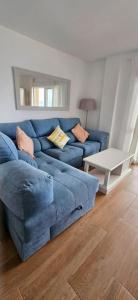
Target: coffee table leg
<point>106,179</point>
<point>86,167</point>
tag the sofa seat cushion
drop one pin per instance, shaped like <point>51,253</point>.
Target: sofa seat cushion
<point>72,187</point>
<point>88,147</point>
<point>67,154</point>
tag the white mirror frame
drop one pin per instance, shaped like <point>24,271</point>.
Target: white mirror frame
<point>15,73</point>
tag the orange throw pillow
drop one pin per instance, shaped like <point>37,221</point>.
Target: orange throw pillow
<point>24,142</point>
<point>80,133</point>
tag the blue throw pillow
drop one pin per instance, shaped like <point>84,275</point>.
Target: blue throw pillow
<point>8,150</point>
<point>27,158</point>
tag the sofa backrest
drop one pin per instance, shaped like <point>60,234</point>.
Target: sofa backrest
<point>43,128</point>
<point>66,125</point>
<point>10,130</point>
<point>38,130</point>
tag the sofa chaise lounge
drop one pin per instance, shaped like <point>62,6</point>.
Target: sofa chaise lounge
<point>44,196</point>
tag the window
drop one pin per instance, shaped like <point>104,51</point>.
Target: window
<point>22,96</point>
<point>49,96</point>
<point>42,96</point>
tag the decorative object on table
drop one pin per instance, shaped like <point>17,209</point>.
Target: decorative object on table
<point>87,104</point>
<point>80,133</point>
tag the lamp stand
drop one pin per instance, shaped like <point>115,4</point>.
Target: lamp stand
<point>86,118</point>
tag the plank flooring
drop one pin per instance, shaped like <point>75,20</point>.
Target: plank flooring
<point>95,259</point>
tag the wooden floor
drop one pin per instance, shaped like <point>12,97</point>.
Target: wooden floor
<point>96,258</point>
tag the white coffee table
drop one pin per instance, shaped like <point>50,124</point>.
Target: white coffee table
<point>110,166</point>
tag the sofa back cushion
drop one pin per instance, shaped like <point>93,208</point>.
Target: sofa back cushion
<point>8,150</point>
<point>10,130</point>
<point>67,124</point>
<point>44,128</point>
<point>72,138</point>
<point>45,143</point>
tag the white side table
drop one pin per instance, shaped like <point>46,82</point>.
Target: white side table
<point>110,166</point>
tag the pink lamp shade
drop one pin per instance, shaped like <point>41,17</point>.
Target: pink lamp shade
<point>87,104</point>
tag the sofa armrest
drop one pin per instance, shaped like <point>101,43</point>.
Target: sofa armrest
<point>99,136</point>
<point>24,189</point>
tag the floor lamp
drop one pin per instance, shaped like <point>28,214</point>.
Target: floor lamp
<point>87,105</point>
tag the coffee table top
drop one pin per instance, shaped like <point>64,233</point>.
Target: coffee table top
<point>108,159</point>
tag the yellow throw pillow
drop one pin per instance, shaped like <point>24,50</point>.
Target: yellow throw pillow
<point>24,142</point>
<point>58,138</point>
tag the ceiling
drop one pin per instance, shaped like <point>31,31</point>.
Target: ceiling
<point>88,29</point>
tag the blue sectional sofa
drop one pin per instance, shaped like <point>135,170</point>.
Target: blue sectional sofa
<point>44,196</point>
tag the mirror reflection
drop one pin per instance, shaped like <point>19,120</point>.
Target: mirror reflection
<point>40,91</point>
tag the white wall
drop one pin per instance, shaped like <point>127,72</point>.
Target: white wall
<point>94,90</point>
<point>20,51</point>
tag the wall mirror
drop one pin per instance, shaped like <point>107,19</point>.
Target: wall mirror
<point>34,90</point>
